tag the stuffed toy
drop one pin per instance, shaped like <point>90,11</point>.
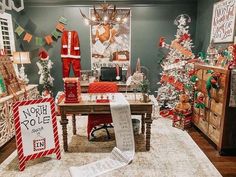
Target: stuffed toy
<point>199,100</point>
<point>183,106</point>
<point>212,82</point>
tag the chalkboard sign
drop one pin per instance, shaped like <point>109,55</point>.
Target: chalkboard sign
<point>223,21</point>
<point>36,129</point>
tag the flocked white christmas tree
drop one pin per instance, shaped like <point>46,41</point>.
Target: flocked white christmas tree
<point>177,67</point>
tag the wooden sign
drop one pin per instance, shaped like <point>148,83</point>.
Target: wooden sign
<point>187,53</point>
<point>223,21</point>
<point>36,130</point>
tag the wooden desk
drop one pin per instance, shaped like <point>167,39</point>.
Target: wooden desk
<point>86,107</point>
<point>121,87</point>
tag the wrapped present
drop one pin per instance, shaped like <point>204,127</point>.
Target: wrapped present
<point>182,113</point>
<point>182,120</point>
<point>72,90</point>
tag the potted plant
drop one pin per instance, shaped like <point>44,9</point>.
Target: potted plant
<point>144,88</point>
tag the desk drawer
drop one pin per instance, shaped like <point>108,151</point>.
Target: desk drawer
<point>215,120</point>
<point>216,107</point>
<point>203,125</point>
<point>214,134</point>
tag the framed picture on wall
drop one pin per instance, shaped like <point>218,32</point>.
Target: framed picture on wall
<point>111,43</point>
<point>223,21</point>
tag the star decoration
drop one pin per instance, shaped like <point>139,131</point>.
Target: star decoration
<point>182,21</point>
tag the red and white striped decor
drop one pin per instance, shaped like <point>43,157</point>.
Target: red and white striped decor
<point>18,131</point>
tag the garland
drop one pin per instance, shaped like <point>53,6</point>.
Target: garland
<point>48,39</point>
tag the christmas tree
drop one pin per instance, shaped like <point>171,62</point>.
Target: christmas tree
<point>178,73</point>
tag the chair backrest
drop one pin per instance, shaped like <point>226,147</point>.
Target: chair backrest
<point>103,87</point>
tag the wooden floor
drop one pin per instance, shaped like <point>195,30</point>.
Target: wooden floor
<point>226,165</point>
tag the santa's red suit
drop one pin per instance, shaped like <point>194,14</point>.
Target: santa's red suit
<point>70,53</point>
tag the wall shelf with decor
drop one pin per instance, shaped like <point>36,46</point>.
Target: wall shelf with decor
<point>217,120</point>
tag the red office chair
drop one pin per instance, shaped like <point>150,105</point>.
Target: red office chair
<point>98,119</point>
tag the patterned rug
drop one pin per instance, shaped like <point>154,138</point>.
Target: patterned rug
<point>173,154</point>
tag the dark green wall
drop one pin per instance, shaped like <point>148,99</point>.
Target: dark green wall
<point>148,23</point>
<point>203,27</point>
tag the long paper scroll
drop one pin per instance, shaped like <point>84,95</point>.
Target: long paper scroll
<point>121,155</point>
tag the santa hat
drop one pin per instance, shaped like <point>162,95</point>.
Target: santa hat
<point>43,54</point>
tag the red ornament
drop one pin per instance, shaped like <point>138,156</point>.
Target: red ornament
<point>184,37</point>
<point>176,60</point>
<point>171,79</point>
<point>162,42</point>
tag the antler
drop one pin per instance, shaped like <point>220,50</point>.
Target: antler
<point>96,14</point>
<point>113,14</point>
<point>91,22</point>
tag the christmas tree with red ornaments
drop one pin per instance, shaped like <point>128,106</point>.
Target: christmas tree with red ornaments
<point>177,74</point>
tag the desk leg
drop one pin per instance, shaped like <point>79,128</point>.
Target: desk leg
<point>64,122</point>
<point>148,131</point>
<point>143,123</point>
<point>74,124</point>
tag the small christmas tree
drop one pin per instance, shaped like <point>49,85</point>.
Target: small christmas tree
<point>45,65</point>
<point>177,73</point>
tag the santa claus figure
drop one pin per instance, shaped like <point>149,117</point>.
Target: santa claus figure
<point>45,78</point>
<point>70,53</point>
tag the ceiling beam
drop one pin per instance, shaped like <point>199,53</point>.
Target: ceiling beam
<point>92,2</point>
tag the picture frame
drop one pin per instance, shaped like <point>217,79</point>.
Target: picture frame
<point>223,21</point>
<point>110,54</point>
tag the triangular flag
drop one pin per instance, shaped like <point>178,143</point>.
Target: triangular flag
<point>63,20</point>
<point>60,27</point>
<point>48,39</point>
<point>27,37</point>
<point>138,66</point>
<point>19,30</point>
<point>56,34</point>
<point>39,41</point>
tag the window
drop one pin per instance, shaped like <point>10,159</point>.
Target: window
<point>7,41</point>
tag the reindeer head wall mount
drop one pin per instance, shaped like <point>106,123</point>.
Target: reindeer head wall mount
<point>105,14</point>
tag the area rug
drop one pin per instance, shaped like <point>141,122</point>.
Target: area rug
<point>173,153</point>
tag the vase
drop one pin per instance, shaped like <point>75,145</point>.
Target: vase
<point>145,98</point>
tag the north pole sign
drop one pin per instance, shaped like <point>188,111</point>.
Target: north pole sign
<point>36,130</point>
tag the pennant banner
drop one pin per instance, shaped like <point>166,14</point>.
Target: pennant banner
<point>56,34</point>
<point>19,30</point>
<point>27,37</point>
<point>60,27</point>
<point>40,41</point>
<point>48,39</point>
<point>63,20</point>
